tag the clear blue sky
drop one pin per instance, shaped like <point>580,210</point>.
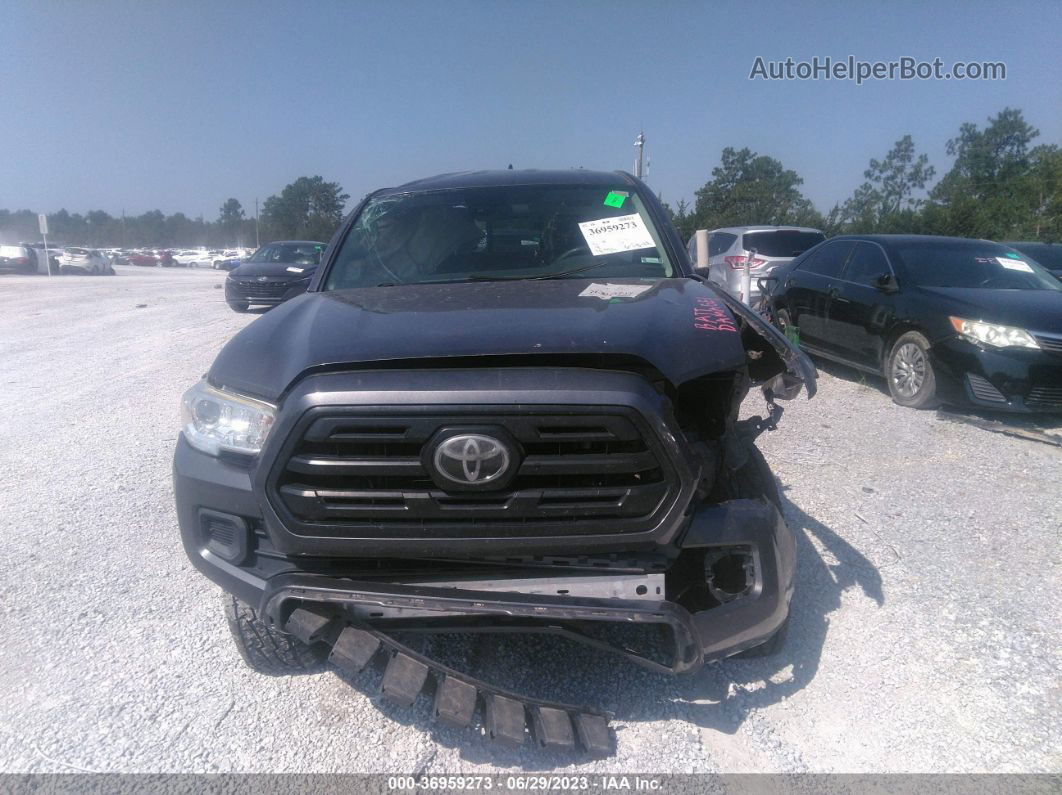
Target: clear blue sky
<point>178,105</point>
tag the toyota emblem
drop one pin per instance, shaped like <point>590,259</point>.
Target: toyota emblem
<point>472,459</point>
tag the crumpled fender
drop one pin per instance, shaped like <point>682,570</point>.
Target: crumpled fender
<point>800,370</point>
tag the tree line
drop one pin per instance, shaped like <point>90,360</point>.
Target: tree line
<point>308,209</point>
<point>999,186</point>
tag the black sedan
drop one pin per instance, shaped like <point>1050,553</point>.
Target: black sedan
<point>944,320</point>
<point>273,274</point>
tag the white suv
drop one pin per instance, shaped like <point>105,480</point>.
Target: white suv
<point>83,260</point>
<point>729,249</point>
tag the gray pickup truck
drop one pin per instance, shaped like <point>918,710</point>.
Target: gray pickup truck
<point>505,403</point>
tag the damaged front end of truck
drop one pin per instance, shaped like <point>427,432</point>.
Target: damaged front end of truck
<point>605,491</point>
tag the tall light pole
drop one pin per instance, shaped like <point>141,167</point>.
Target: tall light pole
<point>639,144</point>
<point>257,243</point>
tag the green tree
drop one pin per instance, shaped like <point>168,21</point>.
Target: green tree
<point>230,219</point>
<point>747,188</point>
<point>1044,190</point>
<point>986,192</point>
<point>308,208</point>
<point>887,201</point>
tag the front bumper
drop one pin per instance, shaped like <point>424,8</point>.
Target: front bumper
<point>279,583</point>
<point>1013,380</point>
<point>698,635</point>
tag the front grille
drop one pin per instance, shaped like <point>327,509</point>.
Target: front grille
<point>256,289</point>
<point>1045,397</point>
<point>983,390</point>
<point>1052,344</point>
<point>579,473</point>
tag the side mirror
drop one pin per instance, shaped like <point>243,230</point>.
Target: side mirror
<point>886,283</point>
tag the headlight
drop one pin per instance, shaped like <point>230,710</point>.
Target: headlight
<point>994,334</point>
<point>214,420</point>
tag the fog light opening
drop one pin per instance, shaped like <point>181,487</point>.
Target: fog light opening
<point>729,573</point>
<point>224,534</point>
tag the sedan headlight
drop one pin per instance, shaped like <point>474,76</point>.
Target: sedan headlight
<point>214,420</point>
<point>994,334</point>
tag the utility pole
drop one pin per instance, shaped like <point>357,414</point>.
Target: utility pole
<point>257,242</point>
<point>639,145</point>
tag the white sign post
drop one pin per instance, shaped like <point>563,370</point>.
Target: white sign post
<point>702,249</point>
<point>42,221</point>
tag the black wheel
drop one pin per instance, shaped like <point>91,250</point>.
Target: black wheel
<point>238,306</point>
<point>909,372</point>
<point>267,650</point>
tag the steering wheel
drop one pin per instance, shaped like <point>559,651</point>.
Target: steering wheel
<point>572,252</point>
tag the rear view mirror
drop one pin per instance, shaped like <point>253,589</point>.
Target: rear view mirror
<point>886,283</point>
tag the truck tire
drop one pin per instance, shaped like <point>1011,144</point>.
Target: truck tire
<point>266,649</point>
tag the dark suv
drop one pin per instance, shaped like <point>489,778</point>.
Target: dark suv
<point>505,403</point>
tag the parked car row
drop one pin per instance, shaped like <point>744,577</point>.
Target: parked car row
<point>187,258</point>
<point>34,258</point>
<point>61,258</point>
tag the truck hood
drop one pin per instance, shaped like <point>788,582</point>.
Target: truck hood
<point>682,327</point>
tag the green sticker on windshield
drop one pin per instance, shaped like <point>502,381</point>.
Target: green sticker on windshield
<point>1012,255</point>
<point>615,198</point>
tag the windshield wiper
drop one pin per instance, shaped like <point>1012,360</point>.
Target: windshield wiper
<point>560,275</point>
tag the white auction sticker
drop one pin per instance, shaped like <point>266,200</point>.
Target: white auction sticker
<point>293,269</point>
<point>608,291</point>
<point>1014,264</point>
<point>613,235</point>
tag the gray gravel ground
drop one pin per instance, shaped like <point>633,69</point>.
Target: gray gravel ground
<point>926,632</point>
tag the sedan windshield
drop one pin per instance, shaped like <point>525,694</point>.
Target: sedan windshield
<point>1047,254</point>
<point>500,233</point>
<point>287,253</point>
<point>972,263</point>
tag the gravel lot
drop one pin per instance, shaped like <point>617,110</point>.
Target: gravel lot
<point>926,632</point>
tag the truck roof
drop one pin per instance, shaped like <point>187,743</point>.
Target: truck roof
<point>502,177</point>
